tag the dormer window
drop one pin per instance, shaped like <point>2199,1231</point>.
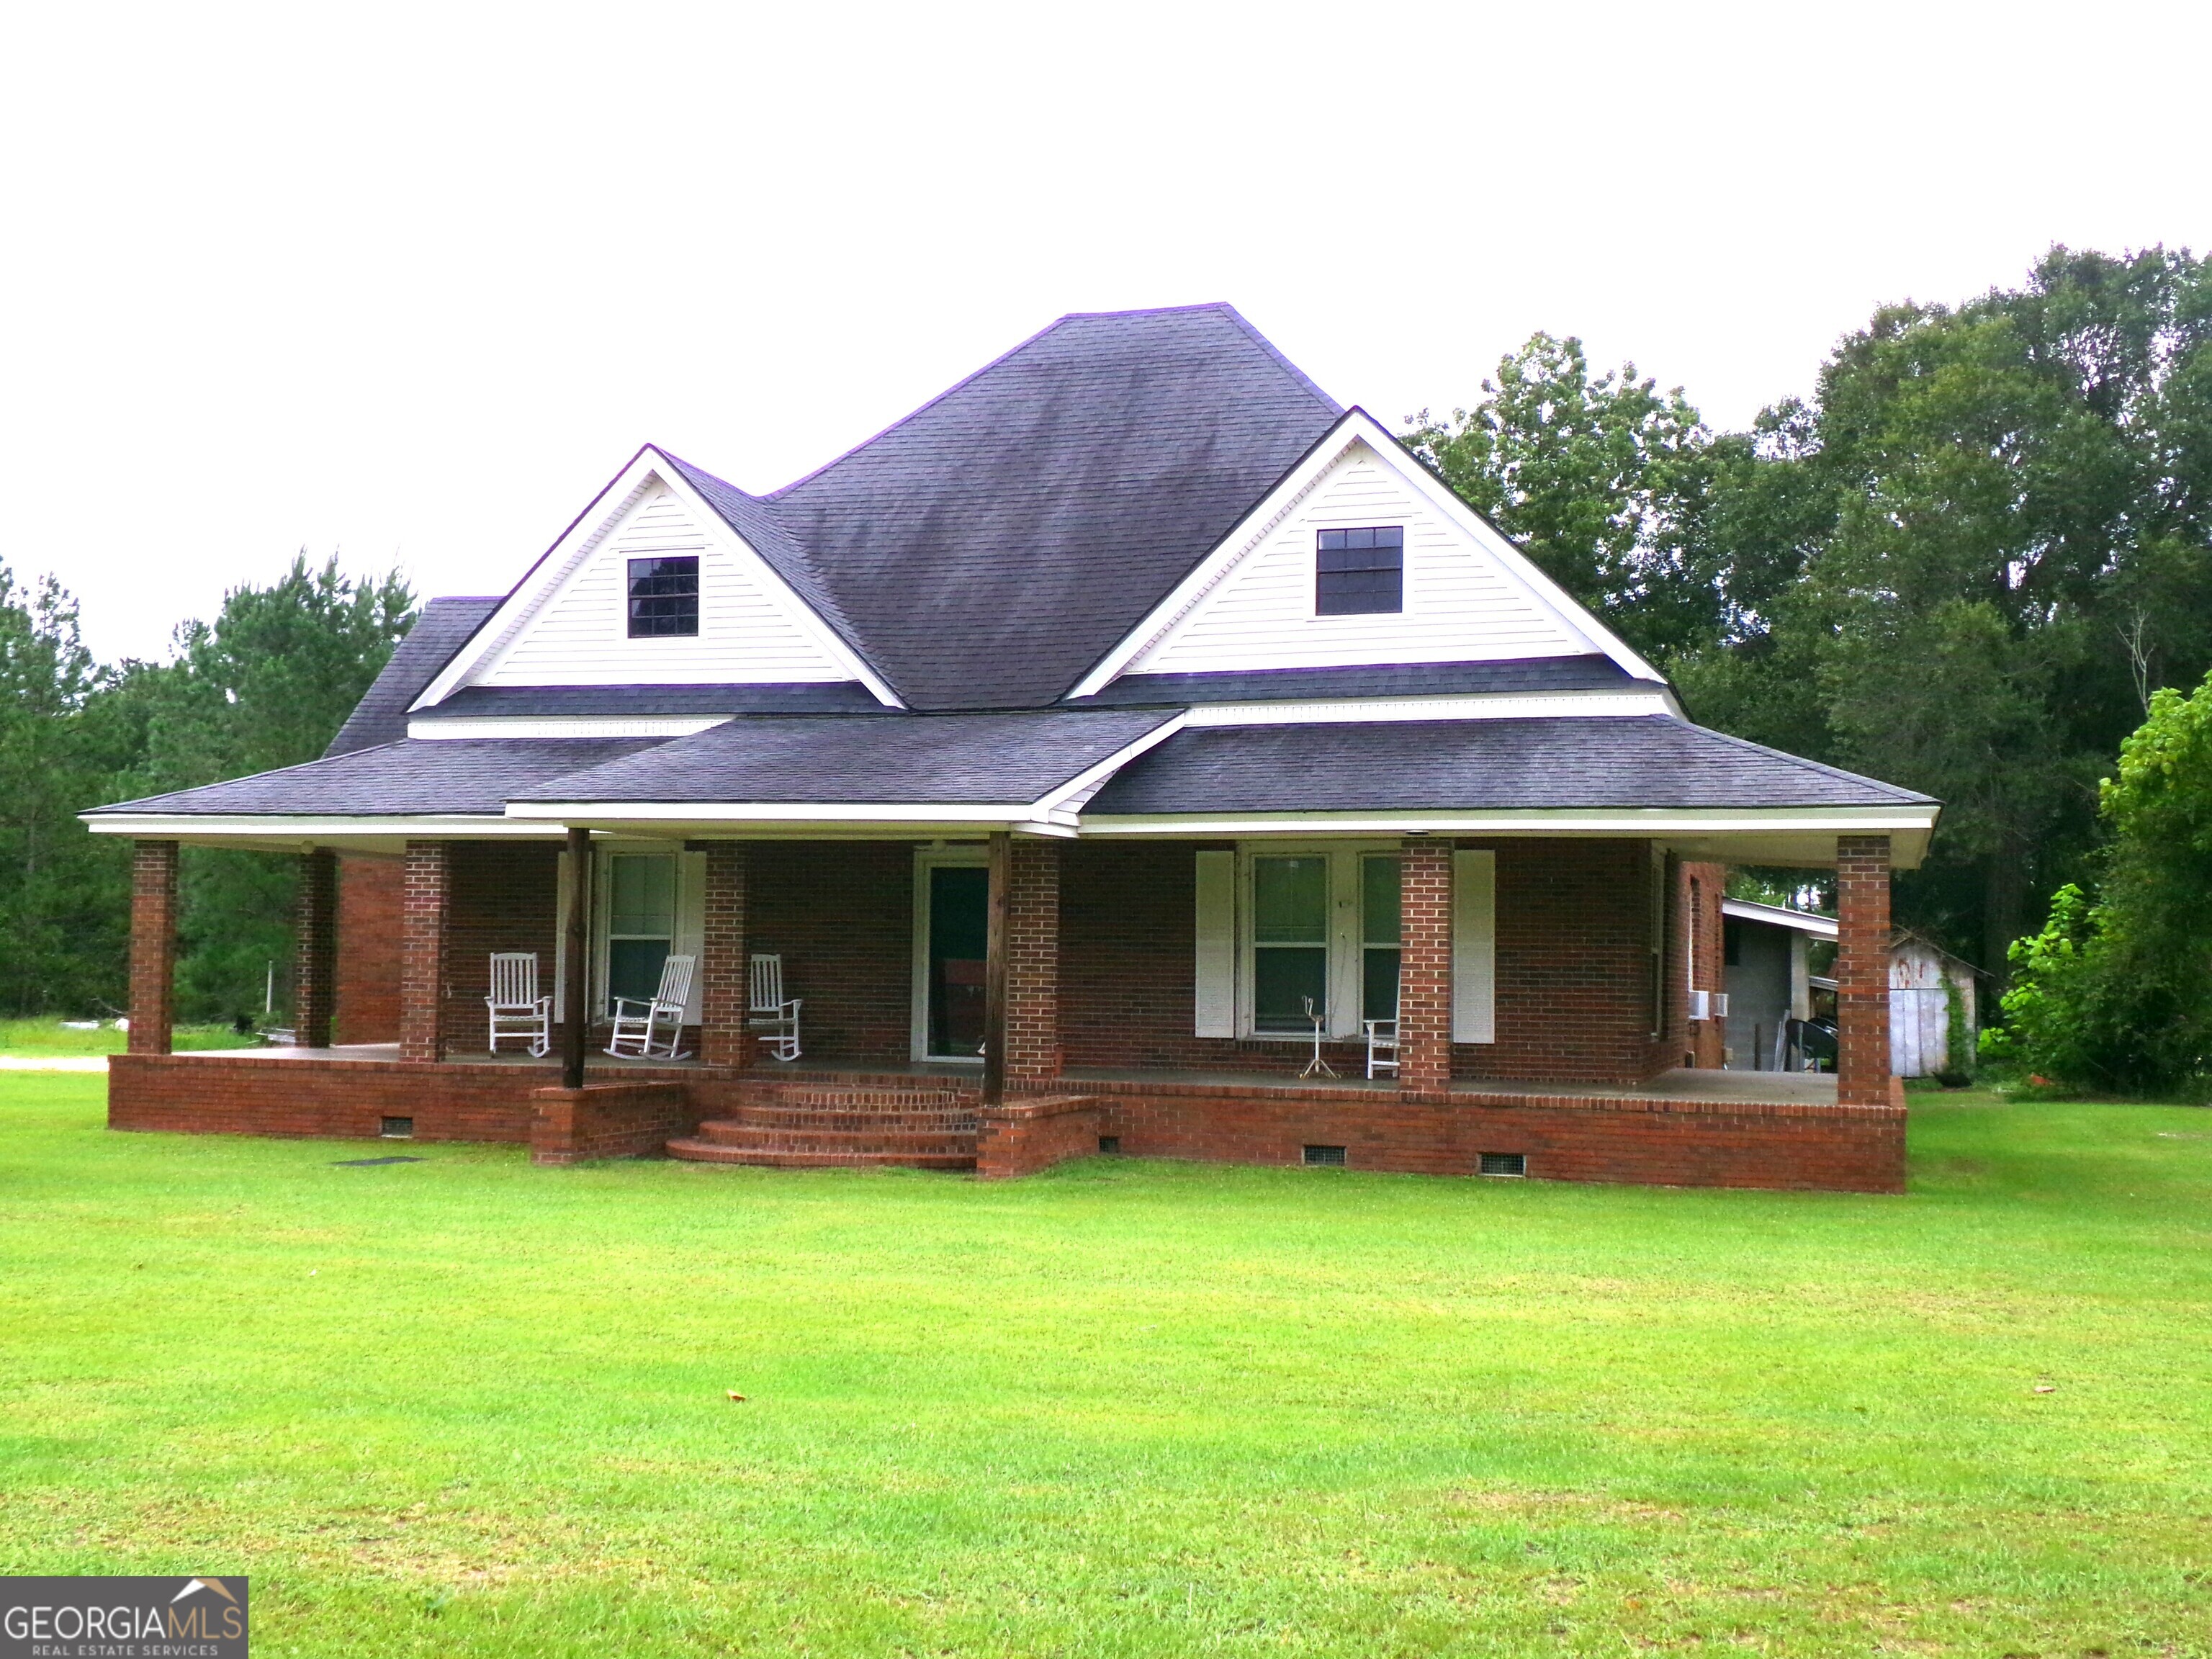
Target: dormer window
<point>664,597</point>
<point>1360,572</point>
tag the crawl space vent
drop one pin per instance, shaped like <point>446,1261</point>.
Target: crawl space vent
<point>1110,1145</point>
<point>399,1128</point>
<point>1326,1157</point>
<point>1505,1163</point>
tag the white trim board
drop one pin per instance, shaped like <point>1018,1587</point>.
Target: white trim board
<point>1459,706</point>
<point>566,725</point>
<point>1774,915</point>
<point>1357,428</point>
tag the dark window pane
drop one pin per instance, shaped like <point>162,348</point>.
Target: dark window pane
<point>634,966</point>
<point>1378,898</point>
<point>664,597</point>
<point>1283,979</point>
<point>1360,572</point>
<point>1290,900</point>
<point>1332,541</point>
<point>1378,988</point>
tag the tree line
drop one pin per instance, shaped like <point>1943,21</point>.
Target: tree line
<point>1969,561</point>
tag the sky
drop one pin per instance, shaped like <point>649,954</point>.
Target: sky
<point>408,284</point>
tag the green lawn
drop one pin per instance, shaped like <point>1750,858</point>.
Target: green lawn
<point>468,1407</point>
<point>45,1039</point>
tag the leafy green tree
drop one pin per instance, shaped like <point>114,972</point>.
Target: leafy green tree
<point>2118,993</point>
<point>1602,480</point>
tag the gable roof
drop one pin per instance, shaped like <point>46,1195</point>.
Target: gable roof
<point>442,628</point>
<point>990,546</point>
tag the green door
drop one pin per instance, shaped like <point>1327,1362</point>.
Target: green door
<point>959,926</point>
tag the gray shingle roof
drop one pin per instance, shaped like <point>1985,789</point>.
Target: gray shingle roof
<point>1424,679</point>
<point>994,545</point>
<point>483,701</point>
<point>442,628</point>
<point>413,775</point>
<point>921,759</point>
<point>1474,765</point>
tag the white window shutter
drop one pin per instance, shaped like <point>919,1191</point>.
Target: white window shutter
<point>1216,1002</point>
<point>1474,946</point>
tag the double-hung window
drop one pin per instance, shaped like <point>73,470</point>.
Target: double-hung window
<point>1360,572</point>
<point>1323,939</point>
<point>664,597</point>
<point>641,920</point>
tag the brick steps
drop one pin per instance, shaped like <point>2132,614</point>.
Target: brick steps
<point>798,1120</point>
<point>819,1146</point>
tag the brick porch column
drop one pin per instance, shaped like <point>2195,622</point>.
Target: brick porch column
<point>1863,970</point>
<point>153,945</point>
<point>425,888</point>
<point>725,966</point>
<point>1032,965</point>
<point>1424,977</point>
<point>315,967</point>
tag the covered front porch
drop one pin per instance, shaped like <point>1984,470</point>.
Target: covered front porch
<point>1117,998</point>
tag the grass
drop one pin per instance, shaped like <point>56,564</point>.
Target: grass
<point>467,1406</point>
<point>47,1039</point>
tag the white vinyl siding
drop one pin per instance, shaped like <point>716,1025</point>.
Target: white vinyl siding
<point>1216,959</point>
<point>1474,946</point>
<point>579,635</point>
<point>1461,604</point>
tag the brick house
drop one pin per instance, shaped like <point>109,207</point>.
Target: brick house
<point>1095,749</point>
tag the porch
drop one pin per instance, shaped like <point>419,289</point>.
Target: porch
<point>1553,1014</point>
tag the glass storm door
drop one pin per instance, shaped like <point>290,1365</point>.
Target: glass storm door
<point>1289,942</point>
<point>641,922</point>
<point>959,923</point>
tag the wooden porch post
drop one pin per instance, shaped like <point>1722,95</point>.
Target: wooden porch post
<point>1424,969</point>
<point>315,960</point>
<point>425,888</point>
<point>726,966</point>
<point>1863,970</point>
<point>575,1018</point>
<point>153,945</point>
<point>994,973</point>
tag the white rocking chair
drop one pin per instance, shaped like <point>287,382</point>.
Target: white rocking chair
<point>638,1020</point>
<point>516,1009</point>
<point>1381,1045</point>
<point>769,1014</point>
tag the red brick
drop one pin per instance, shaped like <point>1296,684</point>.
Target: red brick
<point>369,949</point>
<point>152,945</point>
<point>315,948</point>
<point>1863,1058</point>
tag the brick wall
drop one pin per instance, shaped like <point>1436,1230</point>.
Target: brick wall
<point>1033,1043</point>
<point>1862,1057</point>
<point>422,903</point>
<point>153,945</point>
<point>1424,969</point>
<point>1701,1043</point>
<point>368,950</point>
<point>608,1120</point>
<point>841,916</point>
<point>1589,1138</point>
<point>1573,965</point>
<point>724,968</point>
<point>1022,1137</point>
<point>503,896</point>
<point>315,950</point>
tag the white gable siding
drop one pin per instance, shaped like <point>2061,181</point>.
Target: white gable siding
<point>1461,605</point>
<point>579,634</point>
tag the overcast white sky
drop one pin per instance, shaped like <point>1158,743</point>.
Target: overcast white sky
<point>409,283</point>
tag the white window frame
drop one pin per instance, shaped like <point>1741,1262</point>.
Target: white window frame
<point>690,922</point>
<point>966,855</point>
<point>1346,942</point>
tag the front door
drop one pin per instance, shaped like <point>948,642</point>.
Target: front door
<point>958,926</point>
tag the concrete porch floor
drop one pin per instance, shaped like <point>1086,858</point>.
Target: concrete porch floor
<point>1770,1088</point>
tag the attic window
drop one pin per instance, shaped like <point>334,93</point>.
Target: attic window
<point>1360,572</point>
<point>664,597</point>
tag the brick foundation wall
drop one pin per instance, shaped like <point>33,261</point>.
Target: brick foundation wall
<point>841,916</point>
<point>608,1120</point>
<point>368,950</point>
<point>1594,1138</point>
<point>152,945</point>
<point>1023,1136</point>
